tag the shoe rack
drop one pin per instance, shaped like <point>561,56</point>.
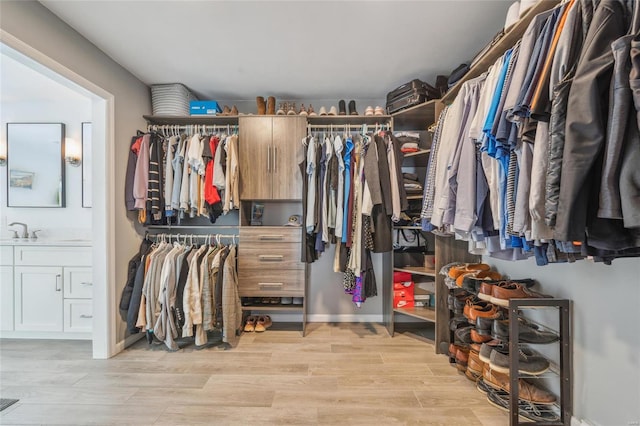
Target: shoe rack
<point>560,371</point>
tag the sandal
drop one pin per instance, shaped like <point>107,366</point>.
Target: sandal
<point>263,322</point>
<point>250,325</point>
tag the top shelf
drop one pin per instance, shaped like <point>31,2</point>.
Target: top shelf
<point>508,40</point>
<point>222,120</point>
<point>418,117</point>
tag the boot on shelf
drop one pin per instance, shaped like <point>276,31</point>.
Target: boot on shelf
<point>352,108</point>
<point>234,110</point>
<point>262,108</point>
<point>271,105</point>
<point>342,109</point>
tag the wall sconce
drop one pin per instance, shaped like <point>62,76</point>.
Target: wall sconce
<point>3,153</point>
<point>73,154</point>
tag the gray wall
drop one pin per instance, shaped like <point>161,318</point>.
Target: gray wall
<point>606,340</point>
<point>33,24</point>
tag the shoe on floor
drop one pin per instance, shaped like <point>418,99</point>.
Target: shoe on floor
<point>262,323</point>
<point>250,325</point>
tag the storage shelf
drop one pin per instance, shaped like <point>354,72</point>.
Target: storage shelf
<point>192,119</point>
<point>348,119</point>
<point>423,313</point>
<point>507,41</point>
<point>294,308</point>
<point>413,154</point>
<point>419,228</point>
<point>419,270</point>
<point>414,197</point>
<point>418,117</point>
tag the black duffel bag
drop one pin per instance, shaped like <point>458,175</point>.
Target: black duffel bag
<point>409,248</point>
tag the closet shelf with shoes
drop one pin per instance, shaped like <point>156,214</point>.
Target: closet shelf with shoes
<point>417,117</point>
<point>349,119</point>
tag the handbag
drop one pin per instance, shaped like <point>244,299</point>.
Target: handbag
<point>409,248</point>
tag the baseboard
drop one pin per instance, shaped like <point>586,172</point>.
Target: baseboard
<point>54,335</point>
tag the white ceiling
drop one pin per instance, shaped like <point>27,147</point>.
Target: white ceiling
<point>289,49</point>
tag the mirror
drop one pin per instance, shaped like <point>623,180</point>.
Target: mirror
<point>86,164</point>
<point>35,165</point>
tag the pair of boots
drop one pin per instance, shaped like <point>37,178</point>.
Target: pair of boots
<point>342,108</point>
<point>268,107</point>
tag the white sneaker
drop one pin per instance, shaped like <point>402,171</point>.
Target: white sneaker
<point>368,110</point>
<point>323,111</point>
<point>333,111</point>
<point>378,111</point>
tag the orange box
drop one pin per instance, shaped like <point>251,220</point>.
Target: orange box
<point>403,298</point>
<point>405,285</point>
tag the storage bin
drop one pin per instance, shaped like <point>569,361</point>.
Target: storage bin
<point>171,99</point>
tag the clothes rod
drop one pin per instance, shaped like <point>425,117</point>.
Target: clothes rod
<point>346,126</point>
<point>212,227</point>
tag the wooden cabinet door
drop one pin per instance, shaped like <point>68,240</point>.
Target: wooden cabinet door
<point>38,298</point>
<point>288,133</point>
<point>255,157</point>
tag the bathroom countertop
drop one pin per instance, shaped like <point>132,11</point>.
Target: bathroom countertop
<point>44,242</point>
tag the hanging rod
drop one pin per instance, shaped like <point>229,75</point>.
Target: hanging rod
<point>209,227</point>
<point>192,127</point>
<point>345,126</point>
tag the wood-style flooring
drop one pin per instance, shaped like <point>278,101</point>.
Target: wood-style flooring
<point>342,374</point>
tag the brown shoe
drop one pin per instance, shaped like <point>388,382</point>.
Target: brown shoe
<point>271,105</point>
<point>262,323</point>
<point>462,359</point>
<point>505,290</point>
<point>481,309</point>
<point>526,390</point>
<point>226,110</point>
<point>262,108</point>
<point>479,338</point>
<point>456,271</point>
<point>474,365</point>
<point>488,275</point>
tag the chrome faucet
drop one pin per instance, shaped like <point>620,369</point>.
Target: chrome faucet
<point>25,230</point>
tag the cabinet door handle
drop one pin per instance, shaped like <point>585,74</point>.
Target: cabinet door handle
<point>270,284</point>
<point>86,283</point>
<point>275,159</point>
<point>268,159</point>
<point>271,257</point>
<point>86,316</point>
<point>58,286</point>
<point>271,237</point>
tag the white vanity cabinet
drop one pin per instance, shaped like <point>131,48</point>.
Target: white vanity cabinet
<point>6,288</point>
<point>51,292</point>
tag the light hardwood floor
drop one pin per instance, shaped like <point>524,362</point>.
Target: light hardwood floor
<point>343,374</point>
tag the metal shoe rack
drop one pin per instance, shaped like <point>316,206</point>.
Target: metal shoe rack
<point>560,371</point>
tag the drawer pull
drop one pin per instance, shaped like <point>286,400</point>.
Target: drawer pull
<point>271,237</point>
<point>271,284</point>
<point>58,287</point>
<point>86,316</point>
<point>271,257</point>
<point>86,283</point>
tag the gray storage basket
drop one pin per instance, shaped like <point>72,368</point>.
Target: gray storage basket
<point>171,99</point>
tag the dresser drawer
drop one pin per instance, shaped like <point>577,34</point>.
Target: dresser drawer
<point>53,256</point>
<point>274,257</point>
<point>78,315</point>
<point>78,283</point>
<point>265,283</point>
<point>270,234</point>
<point>6,256</point>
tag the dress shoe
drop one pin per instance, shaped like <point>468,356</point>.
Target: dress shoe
<point>478,275</point>
<point>368,110</point>
<point>474,366</point>
<point>311,112</point>
<point>526,410</point>
<point>302,110</point>
<point>481,309</point>
<point>342,107</point>
<point>323,111</point>
<point>378,110</point>
<point>463,334</point>
<point>462,359</point>
<point>505,290</point>
<point>528,362</point>
<point>262,107</point>
<point>271,105</point>
<point>526,390</point>
<point>332,111</point>
<point>479,338</point>
<point>456,271</point>
<point>352,108</point>
<point>527,333</point>
<point>486,286</point>
<point>488,347</point>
